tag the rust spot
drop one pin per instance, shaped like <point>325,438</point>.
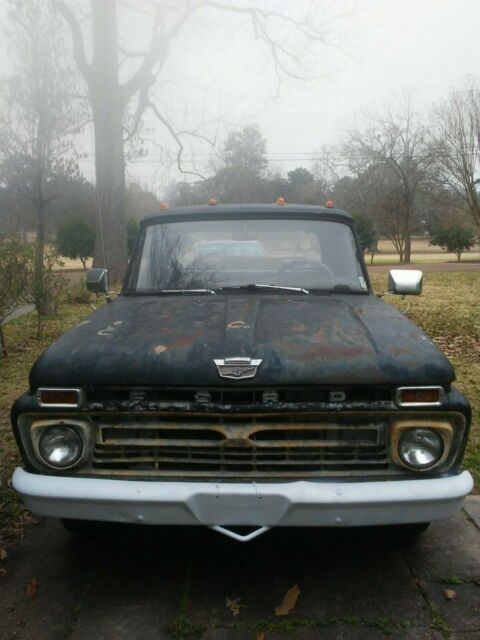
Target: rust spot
<point>319,336</point>
<point>159,348</point>
<point>167,329</point>
<point>299,327</point>
<point>237,324</point>
<point>187,340</point>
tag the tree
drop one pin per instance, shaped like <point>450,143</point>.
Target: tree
<point>140,202</point>
<point>367,233</point>
<point>391,159</point>
<point>16,260</point>
<point>246,151</point>
<point>304,187</point>
<point>17,215</point>
<point>116,101</point>
<point>77,198</point>
<point>242,177</point>
<point>36,121</point>
<point>455,239</point>
<point>181,194</point>
<point>243,174</point>
<point>457,142</point>
<point>76,239</point>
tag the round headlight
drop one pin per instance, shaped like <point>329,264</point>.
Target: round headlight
<point>60,446</point>
<point>420,448</point>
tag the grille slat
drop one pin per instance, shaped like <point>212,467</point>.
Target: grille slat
<point>240,446</point>
<point>258,445</point>
<point>215,461</point>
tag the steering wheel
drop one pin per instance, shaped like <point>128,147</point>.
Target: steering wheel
<point>305,264</point>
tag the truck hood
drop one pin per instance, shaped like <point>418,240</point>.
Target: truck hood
<point>303,340</point>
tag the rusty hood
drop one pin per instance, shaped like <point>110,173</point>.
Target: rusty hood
<point>301,340</point>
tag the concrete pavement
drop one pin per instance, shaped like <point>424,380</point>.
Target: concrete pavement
<point>21,311</point>
<point>149,583</point>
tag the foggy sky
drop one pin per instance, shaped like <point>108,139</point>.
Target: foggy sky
<point>215,71</point>
<point>421,47</point>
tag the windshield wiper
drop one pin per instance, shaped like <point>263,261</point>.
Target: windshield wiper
<point>210,291</point>
<point>267,286</point>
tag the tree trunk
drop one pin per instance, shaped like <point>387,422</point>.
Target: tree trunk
<point>41,303</point>
<point>398,243</point>
<point>108,109</point>
<point>408,249</point>
<point>111,235</point>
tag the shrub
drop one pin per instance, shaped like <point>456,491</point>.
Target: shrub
<point>367,233</point>
<point>455,239</point>
<point>76,239</point>
<point>48,289</point>
<point>16,265</point>
<point>78,293</point>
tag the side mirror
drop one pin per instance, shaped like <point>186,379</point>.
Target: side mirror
<point>405,282</point>
<point>97,281</point>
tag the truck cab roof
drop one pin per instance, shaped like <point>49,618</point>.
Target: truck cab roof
<point>267,210</point>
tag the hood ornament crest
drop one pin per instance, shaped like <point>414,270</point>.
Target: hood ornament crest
<point>237,368</point>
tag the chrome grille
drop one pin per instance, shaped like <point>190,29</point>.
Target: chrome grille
<point>241,446</point>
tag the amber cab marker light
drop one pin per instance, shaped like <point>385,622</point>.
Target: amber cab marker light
<point>329,204</point>
<point>408,396</point>
<point>163,205</point>
<point>60,397</point>
<point>280,201</point>
<point>212,202</point>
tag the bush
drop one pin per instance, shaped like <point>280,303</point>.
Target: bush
<point>76,239</point>
<point>367,233</point>
<point>78,293</point>
<point>16,266</point>
<point>48,289</point>
<point>455,239</point>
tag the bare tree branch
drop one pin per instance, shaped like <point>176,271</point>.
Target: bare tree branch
<point>154,59</point>
<point>177,137</point>
<point>77,39</point>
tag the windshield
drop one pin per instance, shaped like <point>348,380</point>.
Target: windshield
<point>214,254</point>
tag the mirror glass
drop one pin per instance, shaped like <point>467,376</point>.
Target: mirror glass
<point>97,281</point>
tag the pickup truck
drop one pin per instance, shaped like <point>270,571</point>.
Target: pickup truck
<point>245,389</point>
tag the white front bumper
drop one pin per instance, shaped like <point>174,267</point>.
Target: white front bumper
<point>300,503</point>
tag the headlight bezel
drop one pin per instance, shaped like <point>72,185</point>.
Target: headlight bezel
<point>399,427</point>
<point>32,428</point>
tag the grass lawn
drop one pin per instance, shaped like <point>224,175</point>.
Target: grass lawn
<point>448,310</point>
<point>24,349</point>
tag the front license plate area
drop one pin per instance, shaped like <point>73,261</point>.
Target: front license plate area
<point>227,509</point>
